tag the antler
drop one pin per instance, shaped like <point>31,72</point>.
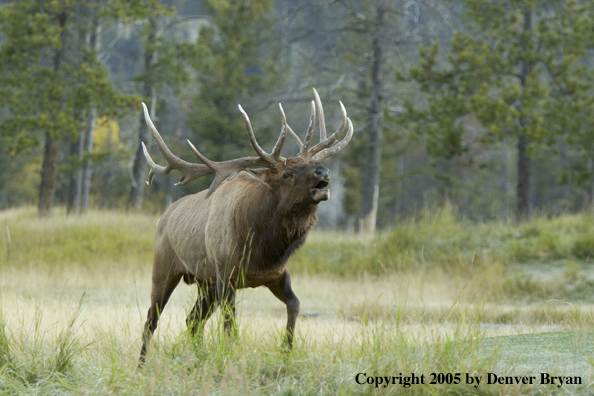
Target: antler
<point>327,146</point>
<point>228,169</point>
<point>222,170</point>
<point>189,170</point>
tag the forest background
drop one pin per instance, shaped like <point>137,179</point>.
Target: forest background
<point>487,104</point>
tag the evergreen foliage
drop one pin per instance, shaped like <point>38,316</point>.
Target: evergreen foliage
<point>519,70</point>
<point>235,65</point>
<point>49,79</point>
<point>53,83</point>
<point>517,76</point>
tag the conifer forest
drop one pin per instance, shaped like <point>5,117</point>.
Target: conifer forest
<point>488,105</point>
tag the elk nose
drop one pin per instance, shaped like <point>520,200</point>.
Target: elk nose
<point>322,173</point>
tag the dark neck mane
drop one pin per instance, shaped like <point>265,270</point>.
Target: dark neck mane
<point>277,230</point>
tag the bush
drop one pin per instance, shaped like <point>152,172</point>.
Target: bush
<point>583,246</point>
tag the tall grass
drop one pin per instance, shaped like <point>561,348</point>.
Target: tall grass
<point>416,298</point>
<point>101,238</point>
<point>438,238</point>
<point>498,258</point>
<point>5,355</point>
<point>441,238</point>
<point>251,364</point>
<point>33,354</point>
<point>491,257</point>
<point>320,364</point>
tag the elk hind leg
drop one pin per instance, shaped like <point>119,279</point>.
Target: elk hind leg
<point>161,291</point>
<point>282,290</point>
<point>203,309</point>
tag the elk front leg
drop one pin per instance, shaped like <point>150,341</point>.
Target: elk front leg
<point>205,306</point>
<point>161,291</point>
<point>281,288</point>
<point>226,299</point>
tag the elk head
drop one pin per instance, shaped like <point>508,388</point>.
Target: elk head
<point>307,181</point>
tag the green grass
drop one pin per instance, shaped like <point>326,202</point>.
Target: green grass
<point>67,363</point>
<point>442,238</point>
<point>250,365</point>
<point>101,237</point>
<point>437,238</point>
<point>435,295</point>
<point>561,353</point>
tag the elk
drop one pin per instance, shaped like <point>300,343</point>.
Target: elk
<point>241,231</point>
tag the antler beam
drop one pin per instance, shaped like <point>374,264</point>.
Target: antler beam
<point>222,170</point>
<point>188,170</point>
<point>327,147</point>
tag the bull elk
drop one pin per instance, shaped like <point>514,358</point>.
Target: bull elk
<point>242,230</point>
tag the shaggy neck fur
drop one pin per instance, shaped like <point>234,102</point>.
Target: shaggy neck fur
<point>277,228</point>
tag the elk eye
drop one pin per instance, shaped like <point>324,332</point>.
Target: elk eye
<point>287,175</point>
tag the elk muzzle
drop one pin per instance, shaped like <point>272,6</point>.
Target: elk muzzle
<point>320,191</point>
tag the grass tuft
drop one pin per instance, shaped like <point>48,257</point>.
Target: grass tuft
<point>5,353</point>
<point>68,347</point>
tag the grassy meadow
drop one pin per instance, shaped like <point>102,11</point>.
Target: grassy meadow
<point>433,295</point>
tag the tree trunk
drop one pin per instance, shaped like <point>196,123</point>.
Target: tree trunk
<point>524,174</point>
<point>563,206</point>
<point>506,186</point>
<point>48,176</point>
<point>93,44</point>
<point>79,173</point>
<point>110,176</point>
<point>49,168</point>
<point>73,197</point>
<point>139,168</point>
<point>524,160</point>
<point>590,189</point>
<point>87,170</point>
<point>373,151</point>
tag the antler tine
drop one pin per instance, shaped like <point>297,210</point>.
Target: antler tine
<point>158,139</point>
<point>261,153</point>
<point>294,135</point>
<point>201,156</point>
<point>278,147</point>
<point>321,113</point>
<point>312,123</point>
<point>334,137</point>
<point>155,169</point>
<point>330,151</point>
<point>189,170</point>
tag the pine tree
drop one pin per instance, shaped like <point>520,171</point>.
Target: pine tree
<point>165,63</point>
<point>517,65</point>
<point>52,83</point>
<point>234,65</point>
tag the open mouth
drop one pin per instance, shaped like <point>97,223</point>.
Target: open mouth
<point>323,185</point>
<point>320,191</point>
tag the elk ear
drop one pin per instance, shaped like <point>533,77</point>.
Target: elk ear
<point>260,174</point>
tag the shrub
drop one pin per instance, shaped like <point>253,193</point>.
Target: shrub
<point>583,246</point>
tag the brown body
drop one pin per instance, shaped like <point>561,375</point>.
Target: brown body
<point>243,221</point>
<point>239,233</point>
